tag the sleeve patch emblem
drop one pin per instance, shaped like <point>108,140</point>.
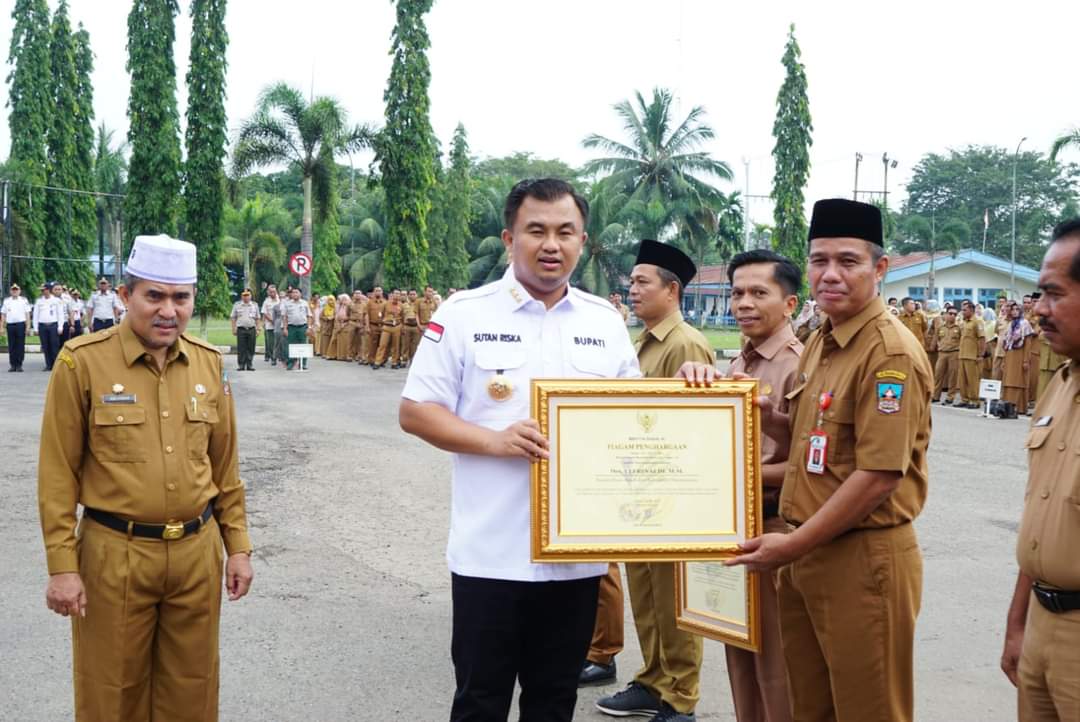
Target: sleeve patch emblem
<point>889,395</point>
<point>890,374</point>
<point>433,332</point>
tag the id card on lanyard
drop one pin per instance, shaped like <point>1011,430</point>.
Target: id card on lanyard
<point>817,451</point>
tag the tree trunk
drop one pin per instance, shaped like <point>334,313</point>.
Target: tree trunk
<point>247,267</point>
<point>306,237</point>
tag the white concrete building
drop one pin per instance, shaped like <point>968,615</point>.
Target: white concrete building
<point>970,274</point>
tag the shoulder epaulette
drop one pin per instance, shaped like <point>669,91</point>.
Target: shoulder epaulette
<point>200,342</point>
<point>890,336</point>
<point>469,294</point>
<point>586,296</point>
<point>90,338</point>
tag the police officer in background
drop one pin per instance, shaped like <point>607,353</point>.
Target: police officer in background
<point>245,326</point>
<point>270,322</point>
<point>1042,633</point>
<point>468,393</point>
<point>667,685</point>
<point>296,315</point>
<point>851,571</point>
<point>76,307</point>
<point>48,315</point>
<point>139,429</point>
<point>104,306</point>
<point>14,314</point>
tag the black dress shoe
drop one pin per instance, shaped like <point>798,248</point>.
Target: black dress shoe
<point>596,673</point>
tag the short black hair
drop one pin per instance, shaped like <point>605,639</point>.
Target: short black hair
<point>548,190</point>
<point>786,274</point>
<point>892,298</point>
<point>905,299</point>
<point>1068,230</point>
<point>967,302</point>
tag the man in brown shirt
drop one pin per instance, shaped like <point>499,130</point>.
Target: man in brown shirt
<point>764,288</point>
<point>851,570</point>
<point>972,348</point>
<point>357,326</point>
<point>947,368</point>
<point>139,429</point>
<point>914,320</point>
<point>426,307</point>
<point>667,683</point>
<point>410,338</point>
<point>1042,640</point>
<point>390,333</point>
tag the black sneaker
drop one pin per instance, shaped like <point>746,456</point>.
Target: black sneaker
<point>596,673</point>
<point>634,701</point>
<point>668,714</point>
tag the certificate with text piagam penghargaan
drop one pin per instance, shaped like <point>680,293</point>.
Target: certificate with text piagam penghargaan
<point>645,470</point>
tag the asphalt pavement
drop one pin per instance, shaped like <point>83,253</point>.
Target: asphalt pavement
<point>349,615</point>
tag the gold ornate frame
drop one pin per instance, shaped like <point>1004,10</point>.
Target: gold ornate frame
<point>550,396</point>
<point>709,624</point>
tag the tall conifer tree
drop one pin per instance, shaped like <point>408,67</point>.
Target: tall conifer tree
<point>204,189</point>
<point>791,154</point>
<point>405,149</point>
<point>458,210</point>
<point>153,190</point>
<point>28,98</point>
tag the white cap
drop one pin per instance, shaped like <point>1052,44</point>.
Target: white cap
<point>162,259</point>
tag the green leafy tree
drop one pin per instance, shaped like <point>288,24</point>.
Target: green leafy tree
<point>30,103</point>
<point>67,237</point>
<point>439,261</point>
<point>110,177</point>
<point>404,150</point>
<point>204,175</point>
<point>364,263</point>
<point>974,183</point>
<point>326,274</point>
<point>286,128</point>
<point>489,261</point>
<point>85,226</point>
<point>1065,141</point>
<point>609,253</point>
<point>253,238</point>
<point>660,165</point>
<point>791,154</point>
<point>458,211</point>
<point>152,202</point>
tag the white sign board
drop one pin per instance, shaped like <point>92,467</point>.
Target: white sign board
<point>989,389</point>
<point>301,350</point>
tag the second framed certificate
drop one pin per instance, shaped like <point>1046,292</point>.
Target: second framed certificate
<point>645,470</point>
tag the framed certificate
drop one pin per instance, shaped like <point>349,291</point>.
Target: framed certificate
<point>718,602</point>
<point>645,470</point>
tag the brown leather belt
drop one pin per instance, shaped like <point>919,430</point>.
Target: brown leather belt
<point>410,323</point>
<point>391,324</point>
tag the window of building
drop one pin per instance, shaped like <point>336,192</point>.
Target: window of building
<point>917,293</point>
<point>988,296</point>
<point>956,295</point>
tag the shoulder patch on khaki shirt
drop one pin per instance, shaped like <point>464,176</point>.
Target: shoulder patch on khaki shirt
<point>66,358</point>
<point>894,345</point>
<point>200,342</point>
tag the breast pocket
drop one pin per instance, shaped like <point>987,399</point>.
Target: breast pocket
<point>502,378</point>
<point>200,423</point>
<point>1036,440</point>
<point>592,362</point>
<point>840,425</point>
<point>118,433</point>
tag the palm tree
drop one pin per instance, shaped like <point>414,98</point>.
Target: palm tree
<point>1069,140</point>
<point>608,252</point>
<point>110,176</point>
<point>659,167</point>
<point>288,129</point>
<point>489,261</point>
<point>253,235</point>
<point>364,265</point>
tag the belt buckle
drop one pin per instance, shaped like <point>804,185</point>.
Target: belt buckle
<point>173,530</point>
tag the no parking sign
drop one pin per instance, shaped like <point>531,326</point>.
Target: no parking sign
<point>300,263</point>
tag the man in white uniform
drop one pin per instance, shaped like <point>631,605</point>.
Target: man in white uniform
<point>48,314</point>
<point>468,393</point>
<point>14,313</point>
<point>104,306</point>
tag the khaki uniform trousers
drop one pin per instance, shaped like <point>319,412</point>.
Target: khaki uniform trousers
<point>1049,671</point>
<point>998,368</point>
<point>945,375</point>
<point>148,646</point>
<point>374,335</point>
<point>672,657</point>
<point>968,380</point>
<point>759,685</point>
<point>356,341</point>
<point>409,343</point>
<point>1033,369</point>
<point>389,345</point>
<point>326,334</point>
<point>607,638</point>
<point>847,621</point>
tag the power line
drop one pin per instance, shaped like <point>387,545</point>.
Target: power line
<point>76,191</point>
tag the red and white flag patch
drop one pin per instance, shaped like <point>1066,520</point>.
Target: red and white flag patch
<point>433,332</point>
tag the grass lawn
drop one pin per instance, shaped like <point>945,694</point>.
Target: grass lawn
<point>722,339</point>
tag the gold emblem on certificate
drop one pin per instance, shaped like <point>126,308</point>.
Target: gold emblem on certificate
<point>500,388</point>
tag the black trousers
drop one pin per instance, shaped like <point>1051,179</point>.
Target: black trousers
<point>536,633</point>
<point>98,323</point>
<point>50,342</point>
<point>268,345</point>
<point>16,339</point>
<point>245,346</point>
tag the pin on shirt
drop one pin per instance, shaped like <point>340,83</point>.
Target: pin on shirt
<point>817,452</point>
<point>499,387</point>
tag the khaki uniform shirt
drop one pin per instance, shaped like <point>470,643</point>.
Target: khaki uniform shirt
<point>358,312</point>
<point>425,310</point>
<point>663,349</point>
<point>948,337</point>
<point>120,437</point>
<point>1046,547</point>
<point>916,323</point>
<point>775,364</point>
<point>878,419</point>
<point>392,313</point>
<point>410,313</point>
<point>375,308</point>
<point>971,332</point>
<point>935,322</point>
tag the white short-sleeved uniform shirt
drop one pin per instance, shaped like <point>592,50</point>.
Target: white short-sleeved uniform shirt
<point>15,310</point>
<point>500,329</point>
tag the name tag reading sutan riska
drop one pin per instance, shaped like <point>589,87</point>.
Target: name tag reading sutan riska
<point>118,398</point>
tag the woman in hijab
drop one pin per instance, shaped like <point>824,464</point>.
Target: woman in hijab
<point>339,343</point>
<point>1018,334</point>
<point>326,326</point>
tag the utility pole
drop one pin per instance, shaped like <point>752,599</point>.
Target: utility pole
<point>887,163</point>
<point>746,206</point>
<point>855,193</point>
<point>1012,259</point>
<point>931,292</point>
